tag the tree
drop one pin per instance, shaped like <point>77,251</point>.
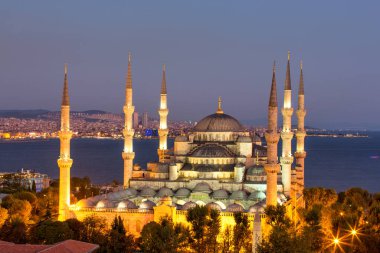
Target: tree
<point>95,231</point>
<point>197,217</point>
<point>3,216</point>
<point>34,188</point>
<point>118,240</point>
<point>164,236</point>
<point>282,237</point>
<point>242,235</point>
<point>50,232</point>
<point>76,227</point>
<point>212,231</point>
<point>20,209</point>
<point>227,240</point>
<point>14,230</point>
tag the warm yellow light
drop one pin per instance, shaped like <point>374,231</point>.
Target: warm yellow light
<point>336,241</point>
<point>341,213</point>
<point>353,232</point>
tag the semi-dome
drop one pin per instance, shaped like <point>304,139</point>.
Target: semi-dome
<point>105,203</point>
<point>220,194</point>
<point>257,195</point>
<point>164,191</point>
<point>84,203</point>
<point>182,193</point>
<point>238,195</point>
<point>202,187</point>
<point>215,206</point>
<point>257,170</point>
<point>189,205</point>
<point>130,192</point>
<point>218,122</point>
<point>147,205</point>
<point>147,192</point>
<point>211,150</point>
<point>235,208</point>
<point>126,204</point>
<point>258,207</point>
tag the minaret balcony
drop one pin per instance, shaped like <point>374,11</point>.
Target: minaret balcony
<point>287,112</point>
<point>65,163</point>
<point>128,109</point>
<point>65,135</point>
<point>272,138</point>
<point>163,132</point>
<point>287,160</point>
<point>301,134</point>
<point>163,112</point>
<point>301,114</point>
<point>285,135</point>
<point>272,168</point>
<point>128,133</point>
<point>128,155</point>
<point>301,154</point>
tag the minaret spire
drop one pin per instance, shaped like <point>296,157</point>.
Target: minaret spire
<point>272,168</point>
<point>163,83</point>
<point>273,90</point>
<point>163,112</point>
<point>65,94</point>
<point>128,132</point>
<point>286,133</point>
<point>64,161</point>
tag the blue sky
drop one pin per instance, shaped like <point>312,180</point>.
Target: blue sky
<point>210,48</point>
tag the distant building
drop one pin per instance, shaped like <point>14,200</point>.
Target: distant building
<point>25,178</point>
<point>145,120</point>
<point>135,120</point>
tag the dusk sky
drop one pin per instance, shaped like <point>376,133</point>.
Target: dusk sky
<point>210,48</point>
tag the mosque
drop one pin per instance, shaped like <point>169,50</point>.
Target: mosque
<point>218,164</point>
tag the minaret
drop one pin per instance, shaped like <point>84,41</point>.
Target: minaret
<point>128,131</point>
<point>300,154</point>
<point>163,112</point>
<point>286,133</point>
<point>64,161</point>
<point>272,168</point>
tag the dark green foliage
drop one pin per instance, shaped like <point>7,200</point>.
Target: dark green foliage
<point>118,241</point>
<point>34,188</point>
<point>242,236</point>
<point>14,230</point>
<point>76,227</point>
<point>205,228</point>
<point>50,232</point>
<point>164,237</point>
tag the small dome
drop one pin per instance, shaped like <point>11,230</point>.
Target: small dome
<point>105,203</point>
<point>238,195</point>
<point>218,122</point>
<point>147,205</point>
<point>147,192</point>
<point>214,206</point>
<point>257,195</point>
<point>244,139</point>
<point>115,195</point>
<point>181,138</point>
<point>84,203</point>
<point>126,204</point>
<point>257,170</point>
<point>189,205</point>
<point>182,193</point>
<point>202,187</point>
<point>130,192</point>
<point>164,191</point>
<point>220,194</point>
<point>235,208</point>
<point>258,207</point>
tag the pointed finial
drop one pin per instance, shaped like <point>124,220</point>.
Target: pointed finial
<point>288,85</point>
<point>163,83</point>
<point>129,73</point>
<point>65,95</point>
<point>274,67</point>
<point>301,90</point>
<point>273,91</point>
<point>220,111</point>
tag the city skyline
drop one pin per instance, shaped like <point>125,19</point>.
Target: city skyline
<point>230,55</point>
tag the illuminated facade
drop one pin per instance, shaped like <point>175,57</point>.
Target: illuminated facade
<point>219,164</point>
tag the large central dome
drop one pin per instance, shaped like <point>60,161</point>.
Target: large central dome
<point>218,122</point>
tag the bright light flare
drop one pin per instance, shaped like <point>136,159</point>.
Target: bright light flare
<point>336,241</point>
<point>354,232</point>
